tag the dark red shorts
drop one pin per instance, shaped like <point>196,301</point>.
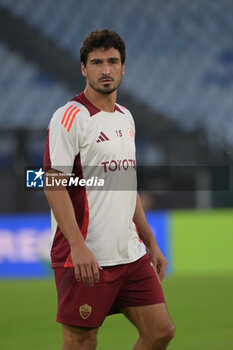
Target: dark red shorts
<point>133,284</point>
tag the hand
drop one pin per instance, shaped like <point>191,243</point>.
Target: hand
<point>159,261</point>
<point>85,264</point>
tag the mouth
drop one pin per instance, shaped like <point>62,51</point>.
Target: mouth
<point>106,80</point>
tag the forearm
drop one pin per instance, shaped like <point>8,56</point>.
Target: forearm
<point>61,205</point>
<point>146,235</point>
<point>143,227</point>
<point>85,265</point>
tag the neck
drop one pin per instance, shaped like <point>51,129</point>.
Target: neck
<point>103,102</point>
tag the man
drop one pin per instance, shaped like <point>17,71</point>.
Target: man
<point>99,259</point>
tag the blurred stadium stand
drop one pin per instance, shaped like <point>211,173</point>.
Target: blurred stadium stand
<point>179,84</point>
<point>22,104</point>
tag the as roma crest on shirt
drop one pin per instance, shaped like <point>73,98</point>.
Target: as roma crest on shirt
<point>85,311</point>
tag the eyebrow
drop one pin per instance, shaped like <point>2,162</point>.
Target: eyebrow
<point>108,59</point>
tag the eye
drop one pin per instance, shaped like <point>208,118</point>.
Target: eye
<point>96,62</point>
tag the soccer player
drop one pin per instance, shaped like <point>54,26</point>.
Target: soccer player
<point>104,254</point>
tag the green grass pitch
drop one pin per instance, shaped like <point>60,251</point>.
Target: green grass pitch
<point>201,307</point>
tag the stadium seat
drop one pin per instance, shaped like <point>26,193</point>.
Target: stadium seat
<point>173,50</point>
<point>32,98</point>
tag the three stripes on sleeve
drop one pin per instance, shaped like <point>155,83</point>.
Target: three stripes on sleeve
<point>69,116</point>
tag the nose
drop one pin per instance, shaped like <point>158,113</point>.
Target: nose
<point>105,69</point>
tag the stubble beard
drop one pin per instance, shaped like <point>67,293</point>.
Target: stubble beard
<point>107,90</point>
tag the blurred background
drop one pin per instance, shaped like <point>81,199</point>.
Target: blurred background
<point>179,87</point>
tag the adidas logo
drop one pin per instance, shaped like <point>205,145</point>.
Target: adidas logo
<point>102,137</point>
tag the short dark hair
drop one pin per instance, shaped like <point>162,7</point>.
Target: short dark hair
<point>102,38</point>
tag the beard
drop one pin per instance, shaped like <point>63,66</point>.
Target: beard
<point>107,90</point>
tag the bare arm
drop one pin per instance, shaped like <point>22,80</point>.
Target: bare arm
<point>148,239</point>
<point>85,265</point>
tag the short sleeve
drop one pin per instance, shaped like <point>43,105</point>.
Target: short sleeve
<point>131,122</point>
<point>63,138</point>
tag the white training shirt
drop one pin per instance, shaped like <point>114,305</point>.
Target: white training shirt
<point>91,143</point>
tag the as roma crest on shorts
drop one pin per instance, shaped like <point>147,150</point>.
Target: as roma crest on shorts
<point>85,311</point>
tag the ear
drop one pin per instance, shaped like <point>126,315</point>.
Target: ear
<point>123,69</point>
<point>83,70</point>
